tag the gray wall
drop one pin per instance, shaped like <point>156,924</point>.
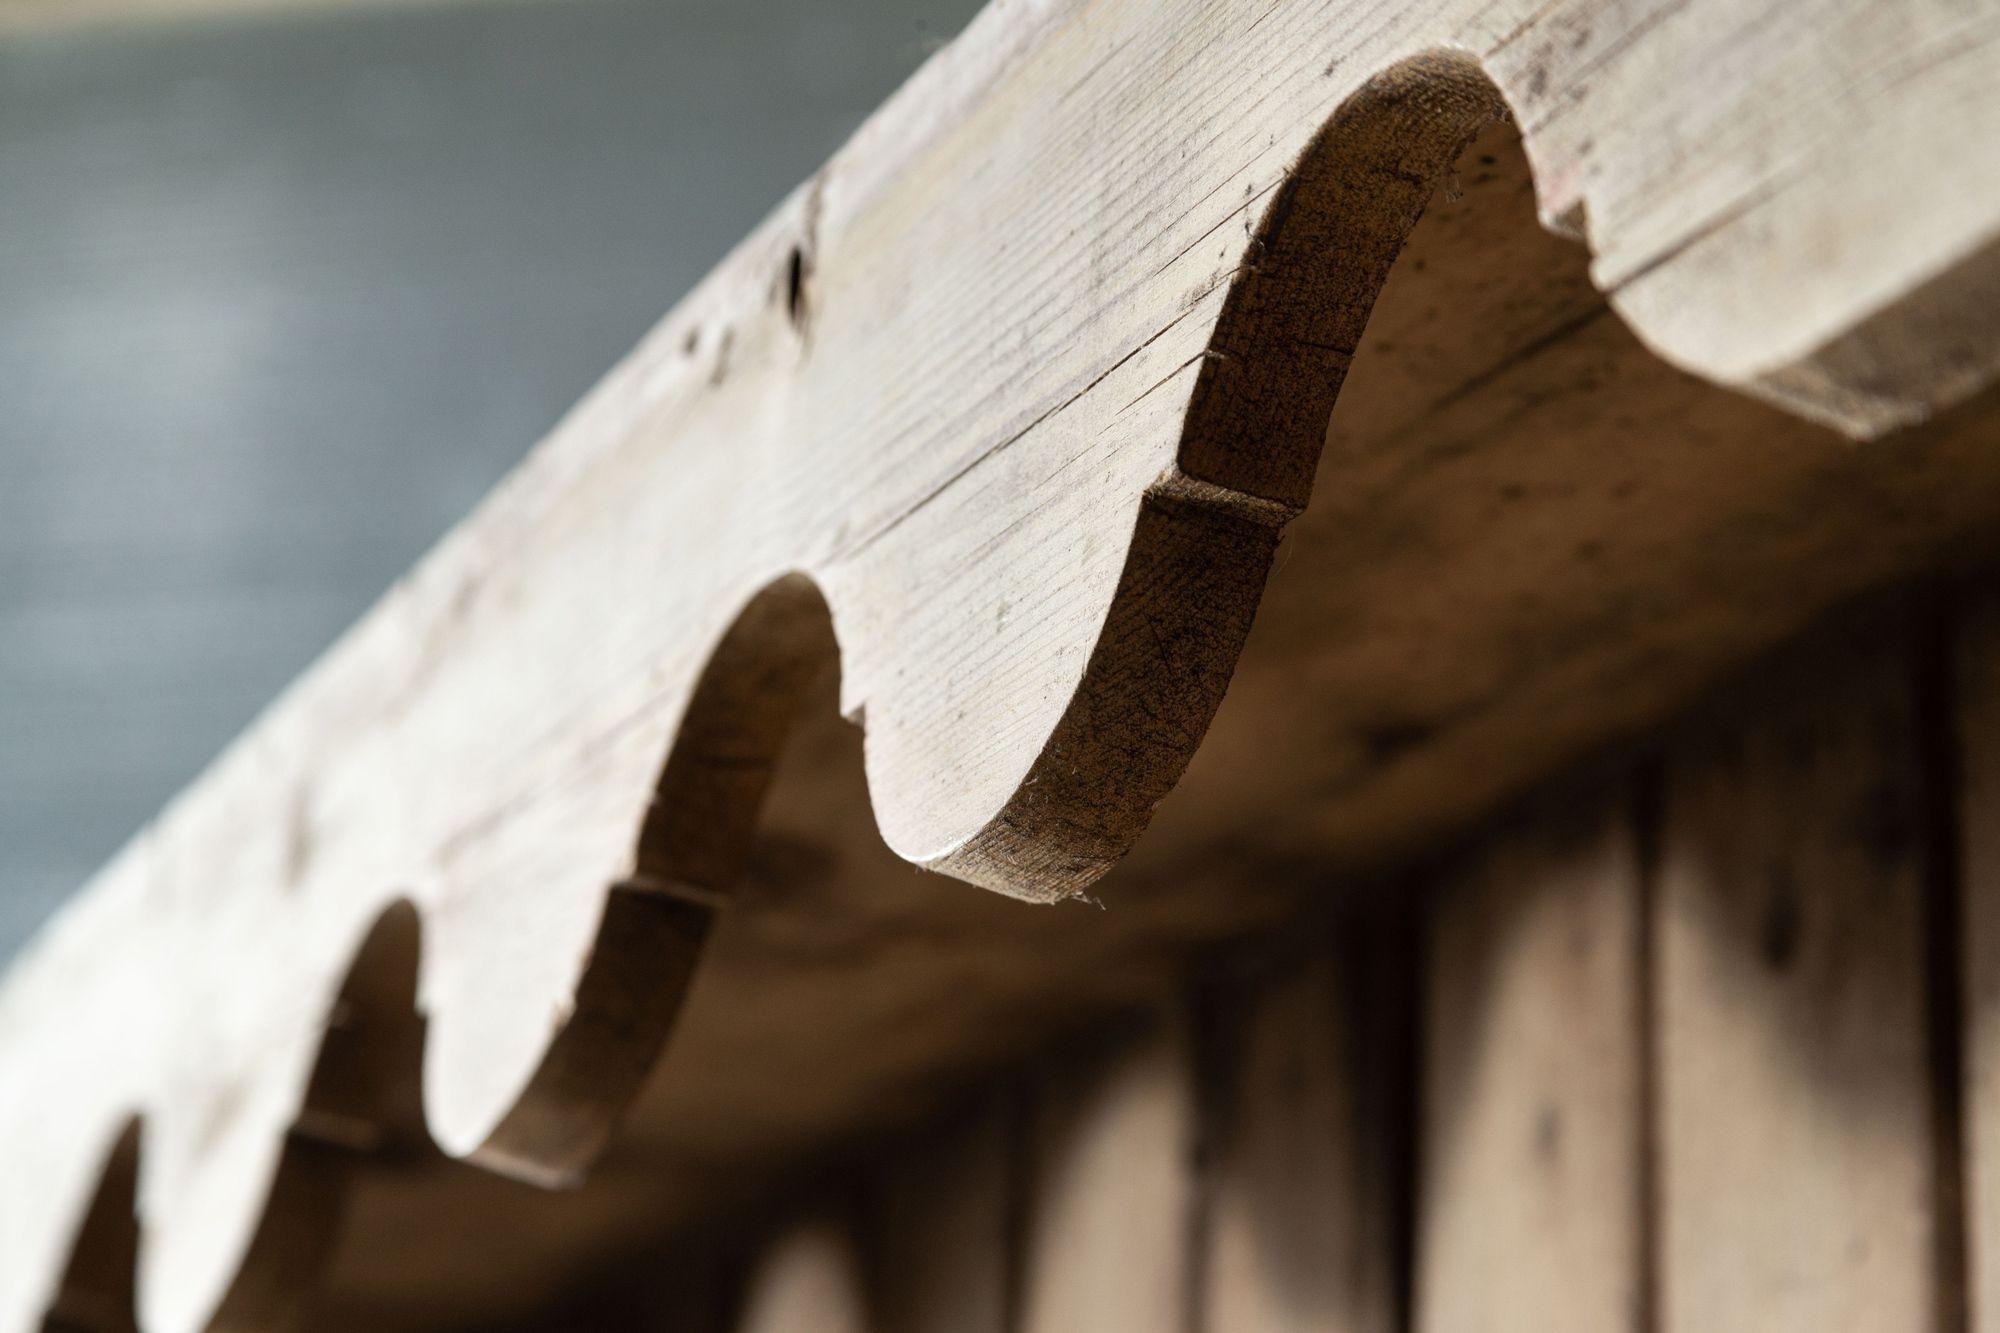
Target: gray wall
<point>280,298</point>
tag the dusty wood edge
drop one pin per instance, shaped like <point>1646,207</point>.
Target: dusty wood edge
<point>244,1140</point>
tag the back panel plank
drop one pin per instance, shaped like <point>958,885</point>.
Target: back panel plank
<point>1301,1212</point>
<point>1529,1214</point>
<point>1029,446</point>
<point>1113,1198</point>
<point>945,1227</point>
<point>1797,1171</point>
<point>1978,677</point>
<point>808,1279</point>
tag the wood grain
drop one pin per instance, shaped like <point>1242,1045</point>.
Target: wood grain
<point>1797,1186</point>
<point>1688,1054</point>
<point>1068,318</point>
<point>1302,1187</point>
<point>1531,1213</point>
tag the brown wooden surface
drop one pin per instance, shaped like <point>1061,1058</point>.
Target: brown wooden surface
<point>944,1223</point>
<point>1303,1150</point>
<point>1678,1057</point>
<point>1032,444</point>
<point>1408,673</point>
<point>1797,1188</point>
<point>1529,1210</point>
<point>808,1278</point>
<point>1976,764</point>
<point>1111,1196</point>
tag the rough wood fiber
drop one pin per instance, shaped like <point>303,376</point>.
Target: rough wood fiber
<point>1071,312</point>
<point>1796,1169</point>
<point>1530,1214</point>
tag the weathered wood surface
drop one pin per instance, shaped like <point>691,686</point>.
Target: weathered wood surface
<point>1304,1146</point>
<point>1010,401</point>
<point>943,1223</point>
<point>809,1278</point>
<point>1688,1056</point>
<point>1530,1213</point>
<point>1798,1181</point>
<point>1975,765</point>
<point>1110,1197</point>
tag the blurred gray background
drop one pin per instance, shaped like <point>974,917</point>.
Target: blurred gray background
<point>283,293</point>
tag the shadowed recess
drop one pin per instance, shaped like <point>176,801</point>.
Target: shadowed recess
<point>96,1294</point>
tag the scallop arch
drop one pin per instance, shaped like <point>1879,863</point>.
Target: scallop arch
<point>688,855</point>
<point>361,1104</point>
<point>1202,545</point>
<point>1307,275</point>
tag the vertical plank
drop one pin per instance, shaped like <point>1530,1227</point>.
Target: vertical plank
<point>807,1280</point>
<point>1530,1198</point>
<point>1978,678</point>
<point>1302,1218</point>
<point>1796,1155</point>
<point>1112,1197</point>
<point>945,1223</point>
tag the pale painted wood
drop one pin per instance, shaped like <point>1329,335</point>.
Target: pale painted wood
<point>1796,1167</point>
<point>1301,1191</point>
<point>1021,386</point>
<point>1531,1210</point>
<point>1111,1205</point>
